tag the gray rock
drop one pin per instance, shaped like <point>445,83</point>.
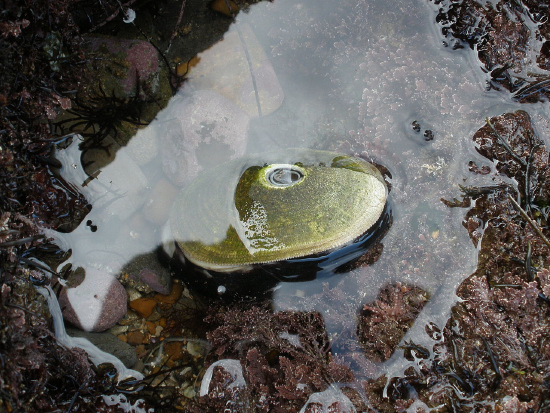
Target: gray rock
<point>110,344</point>
<point>159,202</point>
<point>143,147</point>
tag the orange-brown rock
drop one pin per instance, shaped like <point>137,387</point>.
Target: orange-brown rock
<point>227,8</point>
<point>173,350</point>
<point>136,337</point>
<point>143,306</point>
<point>175,294</point>
<point>151,327</point>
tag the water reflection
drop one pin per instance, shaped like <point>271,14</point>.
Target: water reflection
<point>359,77</point>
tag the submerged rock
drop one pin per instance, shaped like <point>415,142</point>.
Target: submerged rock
<point>137,62</point>
<point>238,69</point>
<point>110,344</point>
<point>146,269</point>
<point>201,131</point>
<point>125,89</point>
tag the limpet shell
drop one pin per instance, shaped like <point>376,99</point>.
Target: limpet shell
<point>276,206</point>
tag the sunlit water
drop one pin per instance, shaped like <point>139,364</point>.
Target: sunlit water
<point>350,76</point>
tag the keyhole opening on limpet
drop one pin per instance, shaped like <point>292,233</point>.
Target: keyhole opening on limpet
<point>284,175</point>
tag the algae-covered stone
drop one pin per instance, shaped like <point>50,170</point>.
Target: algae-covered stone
<point>276,206</point>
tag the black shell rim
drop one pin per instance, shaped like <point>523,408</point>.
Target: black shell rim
<point>259,280</point>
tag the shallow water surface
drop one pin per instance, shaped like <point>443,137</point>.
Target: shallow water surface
<point>370,78</point>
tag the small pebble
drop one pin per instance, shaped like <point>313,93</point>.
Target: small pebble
<point>135,337</point>
<point>227,8</point>
<point>155,316</point>
<point>133,294</point>
<point>118,329</point>
<point>174,350</point>
<point>128,319</point>
<point>141,351</point>
<point>151,327</point>
<point>195,348</point>
<point>189,392</point>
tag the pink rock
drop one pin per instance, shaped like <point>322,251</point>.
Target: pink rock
<point>96,304</point>
<point>147,269</point>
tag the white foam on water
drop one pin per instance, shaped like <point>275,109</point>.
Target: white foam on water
<point>329,399</point>
<point>122,402</point>
<point>233,367</point>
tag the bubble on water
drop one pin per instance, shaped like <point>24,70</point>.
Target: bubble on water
<point>129,16</point>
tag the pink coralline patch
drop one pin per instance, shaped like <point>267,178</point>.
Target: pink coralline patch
<point>514,405</point>
<point>544,277</point>
<point>143,59</point>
